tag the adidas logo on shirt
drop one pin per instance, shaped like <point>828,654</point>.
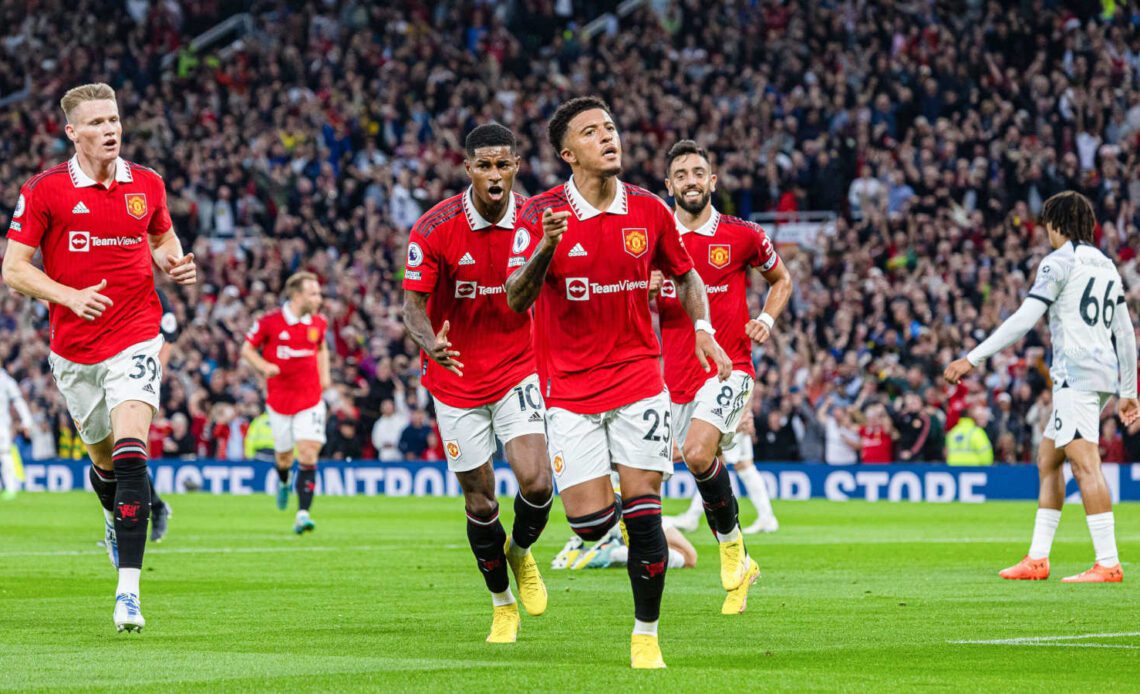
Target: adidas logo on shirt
<point>284,335</point>
<point>466,259</point>
<point>577,251</point>
<point>80,208</point>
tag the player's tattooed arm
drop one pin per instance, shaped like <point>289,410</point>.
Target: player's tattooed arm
<point>691,294</point>
<point>435,345</point>
<point>525,283</point>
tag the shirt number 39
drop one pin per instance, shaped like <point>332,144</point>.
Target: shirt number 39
<point>144,366</point>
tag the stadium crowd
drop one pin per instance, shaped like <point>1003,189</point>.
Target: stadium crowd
<point>934,130</point>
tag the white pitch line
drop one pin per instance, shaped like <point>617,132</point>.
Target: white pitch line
<point>200,550</point>
<point>1057,641</point>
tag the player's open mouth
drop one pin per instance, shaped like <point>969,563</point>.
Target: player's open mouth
<point>496,192</point>
<point>610,152</point>
<point>111,144</point>
<point>692,194</point>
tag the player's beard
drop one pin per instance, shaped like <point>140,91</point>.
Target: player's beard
<point>609,171</point>
<point>694,208</point>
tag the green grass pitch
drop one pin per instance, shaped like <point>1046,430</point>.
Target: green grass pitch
<point>385,596</point>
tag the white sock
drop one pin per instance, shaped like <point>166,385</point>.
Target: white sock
<point>757,491</point>
<point>619,556</point>
<point>515,551</point>
<point>730,536</point>
<point>8,473</point>
<point>128,581</point>
<point>1102,527</point>
<point>1044,528</point>
<point>676,559</point>
<point>110,517</point>
<point>301,515</point>
<point>696,507</point>
<point>504,598</point>
<point>647,628</point>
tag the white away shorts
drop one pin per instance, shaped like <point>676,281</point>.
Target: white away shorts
<point>586,446</point>
<point>720,403</point>
<point>1075,412</point>
<point>469,433</point>
<point>306,425</point>
<point>91,391</point>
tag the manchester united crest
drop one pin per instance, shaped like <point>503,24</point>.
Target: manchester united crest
<point>636,241</point>
<point>314,335</point>
<point>452,448</point>
<point>136,205</point>
<point>720,255</point>
<point>558,463</point>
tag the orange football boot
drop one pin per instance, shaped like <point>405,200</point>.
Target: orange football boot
<point>1027,570</point>
<point>1098,574</point>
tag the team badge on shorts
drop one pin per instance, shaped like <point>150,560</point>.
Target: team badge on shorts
<point>452,448</point>
<point>720,256</point>
<point>636,241</point>
<point>136,205</point>
<point>558,463</point>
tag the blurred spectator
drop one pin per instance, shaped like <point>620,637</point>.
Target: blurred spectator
<point>1111,443</point>
<point>877,436</point>
<point>179,442</point>
<point>775,439</point>
<point>414,438</point>
<point>967,443</point>
<point>344,443</point>
<point>258,439</point>
<point>841,443</point>
<point>807,427</point>
<point>43,439</point>
<point>388,429</point>
<point>914,427</point>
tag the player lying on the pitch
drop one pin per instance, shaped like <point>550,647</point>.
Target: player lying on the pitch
<point>612,551</point>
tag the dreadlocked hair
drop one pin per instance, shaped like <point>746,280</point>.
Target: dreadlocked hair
<point>1071,214</point>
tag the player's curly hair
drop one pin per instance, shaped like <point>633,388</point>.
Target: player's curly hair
<point>684,148</point>
<point>85,92</point>
<point>1071,214</point>
<point>489,135</point>
<point>560,121</point>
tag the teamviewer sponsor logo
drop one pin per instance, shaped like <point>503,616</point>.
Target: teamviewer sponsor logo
<point>466,290</point>
<point>79,241</point>
<point>717,289</point>
<point>577,288</point>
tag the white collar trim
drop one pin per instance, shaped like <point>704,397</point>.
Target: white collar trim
<point>81,180</point>
<point>584,210</point>
<point>476,220</point>
<point>706,229</point>
<point>291,319</point>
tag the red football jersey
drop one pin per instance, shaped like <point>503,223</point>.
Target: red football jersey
<point>292,344</point>
<point>723,250</point>
<point>877,445</point>
<point>87,233</point>
<point>458,257</point>
<point>595,345</point>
